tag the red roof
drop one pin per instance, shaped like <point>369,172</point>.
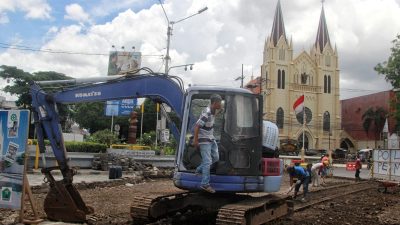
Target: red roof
<point>254,85</point>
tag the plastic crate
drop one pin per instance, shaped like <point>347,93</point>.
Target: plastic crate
<point>271,167</point>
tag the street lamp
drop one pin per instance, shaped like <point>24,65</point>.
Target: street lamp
<point>329,145</point>
<point>190,65</point>
<point>169,32</point>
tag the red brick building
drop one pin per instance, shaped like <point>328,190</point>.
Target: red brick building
<point>354,136</point>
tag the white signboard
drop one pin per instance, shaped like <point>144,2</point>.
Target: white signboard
<point>393,142</point>
<point>387,162</point>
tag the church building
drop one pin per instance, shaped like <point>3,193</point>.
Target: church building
<point>314,74</point>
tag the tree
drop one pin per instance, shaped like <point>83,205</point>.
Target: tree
<point>91,115</point>
<point>105,137</point>
<point>377,118</point>
<point>19,86</point>
<point>20,82</point>
<point>149,116</point>
<point>391,70</point>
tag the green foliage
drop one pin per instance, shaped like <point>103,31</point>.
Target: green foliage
<point>20,79</point>
<point>91,147</point>
<point>169,150</point>
<point>19,86</point>
<point>104,137</point>
<point>46,142</point>
<point>391,68</point>
<point>90,115</point>
<point>148,139</point>
<point>149,116</point>
<point>73,146</point>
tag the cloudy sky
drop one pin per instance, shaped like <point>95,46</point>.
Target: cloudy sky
<point>74,37</point>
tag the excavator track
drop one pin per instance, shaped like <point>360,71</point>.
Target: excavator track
<point>254,210</point>
<point>143,207</point>
<point>140,208</point>
<point>228,209</point>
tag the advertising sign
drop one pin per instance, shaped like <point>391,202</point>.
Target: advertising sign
<point>122,107</point>
<point>13,139</point>
<point>121,62</point>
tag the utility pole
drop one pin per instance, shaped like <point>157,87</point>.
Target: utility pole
<point>240,78</point>
<point>241,84</point>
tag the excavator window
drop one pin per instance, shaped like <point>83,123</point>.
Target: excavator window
<point>198,103</point>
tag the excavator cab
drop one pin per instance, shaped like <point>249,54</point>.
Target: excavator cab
<point>238,132</point>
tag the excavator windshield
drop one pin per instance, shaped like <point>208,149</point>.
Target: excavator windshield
<point>242,116</point>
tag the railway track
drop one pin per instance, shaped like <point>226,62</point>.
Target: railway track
<point>333,192</point>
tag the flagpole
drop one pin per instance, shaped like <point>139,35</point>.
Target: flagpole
<point>304,126</point>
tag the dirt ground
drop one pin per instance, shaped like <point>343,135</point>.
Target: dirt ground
<point>111,202</point>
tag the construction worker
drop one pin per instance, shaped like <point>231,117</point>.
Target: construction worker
<point>303,178</point>
<point>358,168</point>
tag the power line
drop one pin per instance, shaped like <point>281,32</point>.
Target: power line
<point>27,48</point>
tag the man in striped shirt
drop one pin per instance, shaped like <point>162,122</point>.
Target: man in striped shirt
<point>205,141</point>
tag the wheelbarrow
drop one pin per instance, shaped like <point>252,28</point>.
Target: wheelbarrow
<point>385,185</point>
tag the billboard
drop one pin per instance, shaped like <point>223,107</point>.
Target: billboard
<point>13,139</point>
<point>122,107</point>
<point>121,62</point>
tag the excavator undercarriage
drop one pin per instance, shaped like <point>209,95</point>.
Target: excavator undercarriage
<point>180,208</point>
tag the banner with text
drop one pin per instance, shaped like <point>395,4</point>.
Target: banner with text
<point>387,163</point>
<point>13,139</point>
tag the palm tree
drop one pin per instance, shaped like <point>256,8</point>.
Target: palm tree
<point>377,117</point>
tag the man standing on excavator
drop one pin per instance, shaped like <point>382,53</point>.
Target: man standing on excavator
<point>205,141</point>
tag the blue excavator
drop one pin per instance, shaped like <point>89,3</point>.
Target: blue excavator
<point>245,175</point>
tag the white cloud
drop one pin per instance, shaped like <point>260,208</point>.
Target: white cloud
<point>75,12</point>
<point>105,7</point>
<point>33,9</point>
<point>221,39</point>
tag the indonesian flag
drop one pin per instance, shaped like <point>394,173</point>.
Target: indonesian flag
<point>298,105</point>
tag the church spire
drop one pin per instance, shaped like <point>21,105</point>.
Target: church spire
<point>322,34</point>
<point>278,27</point>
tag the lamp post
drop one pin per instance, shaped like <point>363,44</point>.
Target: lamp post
<point>190,65</point>
<point>329,145</point>
<point>169,33</point>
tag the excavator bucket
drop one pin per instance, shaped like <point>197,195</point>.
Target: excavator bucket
<point>64,203</point>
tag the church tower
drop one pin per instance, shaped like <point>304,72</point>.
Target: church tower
<point>315,75</point>
<point>278,54</point>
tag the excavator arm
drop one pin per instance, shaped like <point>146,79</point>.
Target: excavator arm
<point>63,201</point>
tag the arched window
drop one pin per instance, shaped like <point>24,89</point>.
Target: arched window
<point>325,84</point>
<point>283,79</point>
<point>329,84</point>
<point>279,79</point>
<point>279,117</point>
<point>327,121</point>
